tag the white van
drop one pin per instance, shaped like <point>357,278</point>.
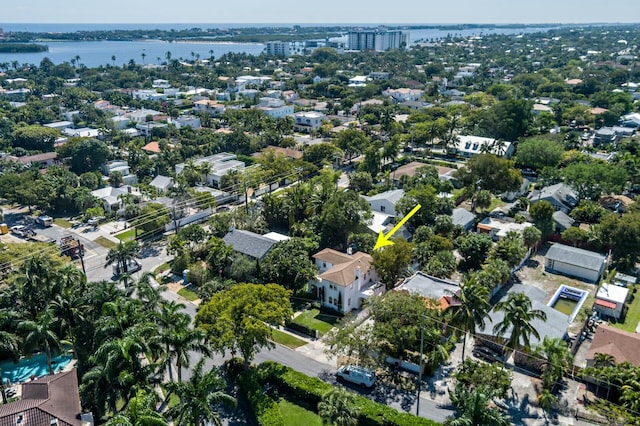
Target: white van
<point>357,375</point>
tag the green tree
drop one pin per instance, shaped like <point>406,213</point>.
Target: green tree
<point>590,180</point>
<point>40,334</point>
<point>392,261</point>
<point>151,219</point>
<point>531,236</point>
<point>474,408</point>
<point>476,374</point>
<point>360,181</point>
<point>510,249</point>
<point>35,137</point>
<point>84,154</point>
<point>442,264</point>
<point>343,212</point>
<point>123,255</point>
<point>487,171</point>
<point>558,360</point>
<point>240,319</point>
<point>140,412</point>
<point>472,310</point>
<point>288,263</point>
<point>542,214</point>
<point>517,325</point>
<point>338,407</point>
<point>198,397</point>
<point>351,340</point>
<point>473,248</point>
<point>539,152</point>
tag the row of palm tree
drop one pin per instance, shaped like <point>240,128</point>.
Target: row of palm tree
<point>124,339</point>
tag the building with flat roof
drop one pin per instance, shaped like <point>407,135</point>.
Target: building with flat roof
<point>377,39</point>
<point>278,48</point>
<point>610,300</point>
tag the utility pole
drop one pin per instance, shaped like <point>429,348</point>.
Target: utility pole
<point>81,256</point>
<point>419,387</point>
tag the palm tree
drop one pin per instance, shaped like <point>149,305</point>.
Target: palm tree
<point>603,360</point>
<point>546,400</point>
<point>122,255</point>
<point>140,412</point>
<point>558,360</point>
<point>198,396</point>
<point>338,407</point>
<point>39,334</point>
<point>517,321</point>
<point>473,309</point>
<point>474,408</point>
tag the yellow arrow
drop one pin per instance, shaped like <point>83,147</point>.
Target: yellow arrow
<point>383,240</point>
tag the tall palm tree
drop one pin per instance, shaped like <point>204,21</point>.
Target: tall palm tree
<point>474,408</point>
<point>603,360</point>
<point>198,396</point>
<point>122,255</point>
<point>140,412</point>
<point>546,400</point>
<point>558,360</point>
<point>473,309</point>
<point>517,321</point>
<point>338,407</point>
<point>40,334</point>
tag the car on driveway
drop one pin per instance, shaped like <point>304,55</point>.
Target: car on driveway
<point>19,230</point>
<point>484,353</point>
<point>357,375</point>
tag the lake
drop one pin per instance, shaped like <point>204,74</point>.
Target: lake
<point>96,53</point>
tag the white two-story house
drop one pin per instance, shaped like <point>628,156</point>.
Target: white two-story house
<point>344,280</point>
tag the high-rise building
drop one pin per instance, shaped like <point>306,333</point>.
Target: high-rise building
<point>378,39</point>
<point>278,48</point>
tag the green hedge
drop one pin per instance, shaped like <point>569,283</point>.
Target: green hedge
<point>308,391</point>
<point>264,409</point>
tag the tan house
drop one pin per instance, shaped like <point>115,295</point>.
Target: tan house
<point>620,344</point>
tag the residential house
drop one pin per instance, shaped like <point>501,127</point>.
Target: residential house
<point>250,244</point>
<point>575,262</point>
<point>555,325</point>
<point>604,136</point>
<point>186,121</point>
<point>122,167</point>
<point>562,197</point>
<point>210,107</point>
<point>385,202</point>
<point>162,184</point>
<point>344,281</point>
<point>274,108</point>
<point>411,169</point>
<point>47,401</point>
<point>499,228</point>
<point>44,160</point>
<point>470,146</point>
<point>610,300</point>
<point>143,115</point>
<point>522,190</point>
<point>631,120</point>
<point>220,164</point>
<point>59,125</point>
<point>290,153</point>
<point>404,94</point>
<point>83,132</point>
<point>112,197</point>
<point>147,128</point>
<point>624,280</point>
<point>358,81</point>
<point>538,108</point>
<point>440,292</point>
<point>620,344</point>
<point>464,218</point>
<point>562,221</point>
<point>307,121</point>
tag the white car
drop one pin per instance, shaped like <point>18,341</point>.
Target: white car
<point>19,230</point>
<point>357,375</point>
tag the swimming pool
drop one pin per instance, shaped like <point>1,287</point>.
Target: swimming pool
<point>568,300</point>
<point>34,366</point>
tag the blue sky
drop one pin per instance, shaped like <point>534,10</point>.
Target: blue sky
<point>326,11</point>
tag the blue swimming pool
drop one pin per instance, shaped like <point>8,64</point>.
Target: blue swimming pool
<point>34,366</point>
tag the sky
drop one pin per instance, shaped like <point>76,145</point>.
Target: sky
<point>325,11</point>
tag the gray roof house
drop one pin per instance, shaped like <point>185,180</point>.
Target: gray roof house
<point>385,202</point>
<point>249,243</point>
<point>574,262</point>
<point>161,183</point>
<point>562,220</point>
<point>555,326</point>
<point>429,287</point>
<point>561,196</point>
<point>464,218</point>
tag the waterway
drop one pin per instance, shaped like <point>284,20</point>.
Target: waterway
<point>96,53</point>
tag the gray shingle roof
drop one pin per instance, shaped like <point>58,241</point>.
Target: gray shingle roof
<point>563,219</point>
<point>575,256</point>
<point>461,216</point>
<point>393,196</point>
<point>248,243</point>
<point>428,286</point>
<point>555,326</point>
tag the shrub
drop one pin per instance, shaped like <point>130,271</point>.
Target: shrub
<point>264,409</point>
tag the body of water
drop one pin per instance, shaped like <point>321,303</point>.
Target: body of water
<point>34,366</point>
<point>96,53</point>
<point>565,305</point>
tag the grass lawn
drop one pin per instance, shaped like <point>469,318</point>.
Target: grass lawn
<point>287,339</point>
<point>160,268</point>
<point>495,202</point>
<point>632,317</point>
<point>295,415</point>
<point>188,294</point>
<point>105,242</point>
<point>128,235</point>
<point>63,223</point>
<point>312,318</point>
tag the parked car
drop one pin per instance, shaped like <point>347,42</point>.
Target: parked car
<point>19,230</point>
<point>94,221</point>
<point>44,221</point>
<point>486,354</point>
<point>357,375</point>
